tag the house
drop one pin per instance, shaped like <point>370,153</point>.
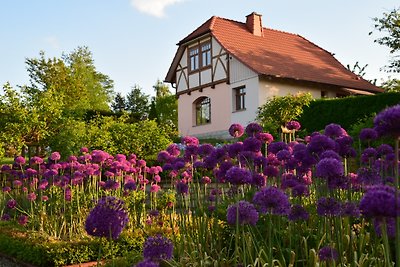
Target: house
<point>224,70</point>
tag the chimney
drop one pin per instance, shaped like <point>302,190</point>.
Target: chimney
<point>254,24</point>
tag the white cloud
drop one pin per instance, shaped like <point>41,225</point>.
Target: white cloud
<point>52,41</point>
<point>153,7</point>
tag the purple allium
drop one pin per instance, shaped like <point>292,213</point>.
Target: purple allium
<point>253,128</point>
<point>384,150</point>
<point>205,150</point>
<point>55,156</point>
<point>328,206</point>
<point>329,168</point>
<point>328,254</point>
<point>259,180</point>
<point>234,149</point>
<point>68,194</point>
<point>163,156</point>
<point>265,138</point>
<point>368,176</point>
<point>390,226</point>
<point>345,146</point>
<point>272,200</point>
<point>147,263</point>
<point>252,144</point>
<point>350,209</point>
<point>84,150</point>
<point>20,160</point>
<point>23,219</point>
<point>190,141</point>
<point>300,190</point>
<point>293,125</point>
<point>368,134</point>
<point>31,197</point>
<point>379,201</point>
<point>236,130</point>
<point>5,217</point>
<point>36,160</point>
<point>154,188</point>
<point>334,131</point>
<point>387,122</point>
<point>173,150</point>
<point>283,155</point>
<point>206,180</point>
<point>130,185</point>
<point>320,143</point>
<point>6,189</point>
<point>369,154</point>
<point>158,248</point>
<point>237,176</point>
<point>271,171</point>
<point>297,213</point>
<point>330,154</point>
<point>275,147</point>
<point>108,218</point>
<point>182,188</point>
<point>12,204</point>
<point>242,213</point>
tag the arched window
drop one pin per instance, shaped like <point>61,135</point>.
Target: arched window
<point>203,110</point>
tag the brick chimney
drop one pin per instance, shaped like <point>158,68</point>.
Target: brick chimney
<point>254,24</point>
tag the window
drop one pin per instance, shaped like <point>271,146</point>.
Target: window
<point>239,96</point>
<point>203,110</point>
<point>200,56</point>
<point>324,94</point>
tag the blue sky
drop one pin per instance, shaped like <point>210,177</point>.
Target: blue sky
<point>134,41</point>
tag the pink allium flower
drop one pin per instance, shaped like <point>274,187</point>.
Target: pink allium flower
<point>20,160</point>
<point>55,156</point>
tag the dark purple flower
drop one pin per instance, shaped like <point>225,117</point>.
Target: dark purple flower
<point>265,138</point>
<point>368,176</point>
<point>328,206</point>
<point>350,209</point>
<point>345,146</point>
<point>236,175</point>
<point>368,155</point>
<point>390,222</point>
<point>23,219</point>
<point>297,213</point>
<point>182,188</point>
<point>68,194</point>
<point>242,213</point>
<point>334,131</point>
<point>158,248</point>
<point>328,254</point>
<point>293,125</point>
<point>252,144</point>
<point>31,196</point>
<point>173,150</point>
<point>234,149</point>
<point>164,157</point>
<point>272,200</point>
<point>275,147</point>
<point>236,130</point>
<point>320,143</point>
<point>147,263</point>
<point>300,190</point>
<point>130,185</point>
<point>36,160</point>
<point>12,204</point>
<point>20,160</point>
<point>271,171</point>
<point>253,128</point>
<point>5,217</point>
<point>111,185</point>
<point>6,189</point>
<point>329,167</point>
<point>330,154</point>
<point>379,201</point>
<point>205,150</point>
<point>107,219</point>
<point>368,134</point>
<point>387,122</point>
<point>259,180</point>
<point>283,155</point>
<point>384,150</point>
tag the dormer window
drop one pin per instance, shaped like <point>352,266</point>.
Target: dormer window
<point>200,56</point>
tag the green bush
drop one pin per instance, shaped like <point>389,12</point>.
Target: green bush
<point>344,111</point>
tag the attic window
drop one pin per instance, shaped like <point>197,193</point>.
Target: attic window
<point>200,56</point>
<point>194,58</point>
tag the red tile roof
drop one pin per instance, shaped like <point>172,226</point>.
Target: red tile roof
<point>277,54</point>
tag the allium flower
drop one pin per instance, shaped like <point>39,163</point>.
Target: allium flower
<point>55,156</point>
<point>390,226</point>
<point>190,141</point>
<point>297,213</point>
<point>265,138</point>
<point>234,149</point>
<point>173,150</point>
<point>252,144</point>
<point>293,125</point>
<point>182,188</point>
<point>23,219</point>
<point>272,200</point>
<point>379,201</point>
<point>243,213</point>
<point>368,176</point>
<point>271,171</point>
<point>328,254</point>
<point>236,175</point>
<point>350,209</point>
<point>369,154</point>
<point>253,128</point>
<point>154,188</point>
<point>158,248</point>
<point>36,160</point>
<point>84,150</point>
<point>387,122</point>
<point>12,204</point>
<point>319,143</point>
<point>328,206</point>
<point>277,146</point>
<point>206,180</point>
<point>334,131</point>
<point>236,130</point>
<point>5,217</point>
<point>107,219</point>
<point>68,194</point>
<point>330,154</point>
<point>31,196</point>
<point>205,150</point>
<point>329,168</point>
<point>147,263</point>
<point>283,155</point>
<point>20,160</point>
<point>368,134</point>
<point>259,180</point>
<point>6,189</point>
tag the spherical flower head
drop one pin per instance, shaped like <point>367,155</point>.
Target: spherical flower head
<point>147,263</point>
<point>368,134</point>
<point>12,204</point>
<point>206,180</point>
<point>368,176</point>
<point>36,160</point>
<point>55,156</point>
<point>328,206</point>
<point>330,154</point>
<point>5,217</point>
<point>182,188</point>
<point>174,150</point>
<point>236,130</point>
<point>253,128</point>
<point>265,138</point>
<point>390,226</point>
<point>334,131</point>
<point>190,141</point>
<point>293,125</point>
<point>20,160</point>
<point>259,180</point>
<point>84,150</point>
<point>320,143</point>
<point>31,196</point>
<point>23,220</point>
<point>387,122</point>
<point>242,213</point>
<point>237,176</point>
<point>6,189</point>
<point>277,146</point>
<point>379,201</point>
<point>283,155</point>
<point>368,154</point>
<point>272,200</point>
<point>350,209</point>
<point>252,144</point>
<point>329,168</point>
<point>298,213</point>
<point>328,254</point>
<point>158,248</point>
<point>155,188</point>
<point>108,218</point>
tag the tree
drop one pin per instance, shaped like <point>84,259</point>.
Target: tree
<point>165,105</point>
<point>161,89</point>
<point>137,103</point>
<point>391,85</point>
<point>118,105</point>
<point>389,24</point>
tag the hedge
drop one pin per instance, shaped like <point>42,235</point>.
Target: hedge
<point>344,111</point>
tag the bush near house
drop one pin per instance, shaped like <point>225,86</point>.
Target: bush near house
<point>344,111</point>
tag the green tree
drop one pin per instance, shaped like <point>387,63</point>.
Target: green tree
<point>165,108</point>
<point>118,105</point>
<point>279,110</point>
<point>391,85</point>
<point>389,25</point>
<point>137,103</point>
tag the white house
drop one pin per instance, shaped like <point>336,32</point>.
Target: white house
<point>224,70</point>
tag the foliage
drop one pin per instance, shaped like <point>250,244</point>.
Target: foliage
<point>164,106</point>
<point>344,111</point>
<point>137,103</point>
<point>118,105</point>
<point>389,24</point>
<point>391,85</point>
<point>279,110</point>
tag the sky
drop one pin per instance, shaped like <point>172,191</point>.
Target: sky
<point>134,41</point>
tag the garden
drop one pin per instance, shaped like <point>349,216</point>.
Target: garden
<point>319,200</point>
